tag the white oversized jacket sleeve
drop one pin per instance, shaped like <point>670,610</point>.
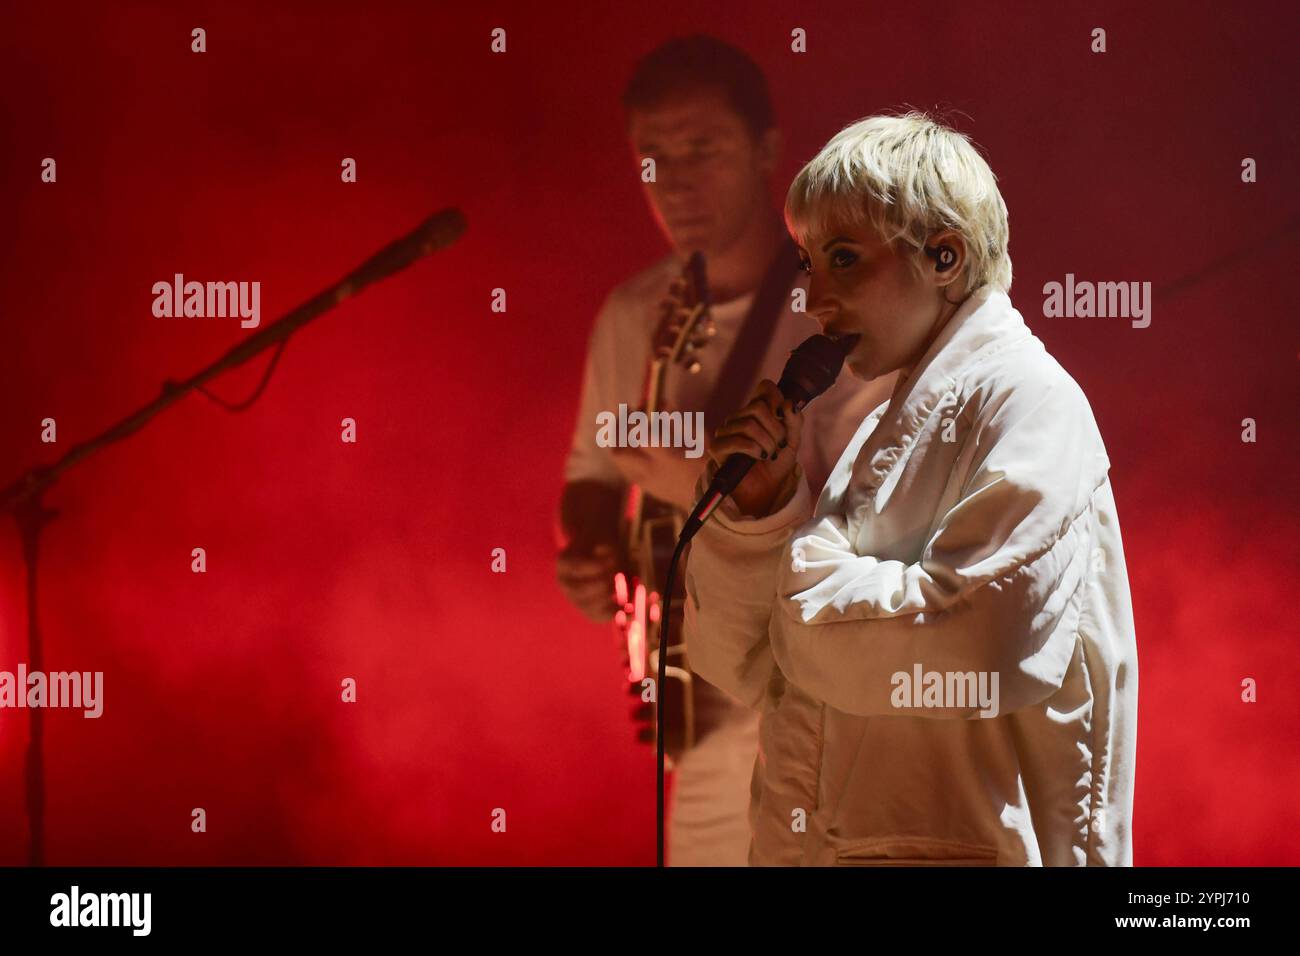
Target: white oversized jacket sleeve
<point>997,587</point>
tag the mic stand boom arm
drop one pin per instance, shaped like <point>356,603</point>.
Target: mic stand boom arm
<point>439,230</point>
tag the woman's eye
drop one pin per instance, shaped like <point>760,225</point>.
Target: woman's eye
<point>843,258</point>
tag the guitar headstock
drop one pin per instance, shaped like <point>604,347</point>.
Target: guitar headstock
<point>685,324</point>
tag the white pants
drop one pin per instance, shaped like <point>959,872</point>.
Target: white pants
<point>708,816</point>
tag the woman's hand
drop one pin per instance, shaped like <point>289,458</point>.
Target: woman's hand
<point>769,430</point>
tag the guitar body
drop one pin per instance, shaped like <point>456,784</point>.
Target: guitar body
<point>640,619</point>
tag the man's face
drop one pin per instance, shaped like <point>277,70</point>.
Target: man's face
<point>858,283</point>
<point>710,174</point>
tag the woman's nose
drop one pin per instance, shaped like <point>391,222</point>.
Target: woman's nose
<point>820,305</point>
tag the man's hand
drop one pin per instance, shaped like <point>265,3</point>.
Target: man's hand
<point>663,473</point>
<point>588,582</point>
<point>769,430</point>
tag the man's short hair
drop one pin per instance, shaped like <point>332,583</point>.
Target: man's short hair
<point>907,176</point>
<point>685,65</point>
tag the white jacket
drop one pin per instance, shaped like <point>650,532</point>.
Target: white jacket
<point>968,528</point>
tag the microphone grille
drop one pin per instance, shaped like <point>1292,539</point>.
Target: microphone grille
<point>814,366</point>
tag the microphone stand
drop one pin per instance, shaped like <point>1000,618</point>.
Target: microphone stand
<point>23,497</point>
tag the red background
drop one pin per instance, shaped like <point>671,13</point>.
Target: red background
<point>481,690</point>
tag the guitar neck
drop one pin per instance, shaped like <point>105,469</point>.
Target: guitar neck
<point>654,384</point>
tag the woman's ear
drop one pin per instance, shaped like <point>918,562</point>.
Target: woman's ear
<point>947,254</point>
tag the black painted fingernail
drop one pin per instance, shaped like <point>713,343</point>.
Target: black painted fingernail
<point>764,454</point>
<point>774,454</point>
<point>783,443</point>
<point>780,412</point>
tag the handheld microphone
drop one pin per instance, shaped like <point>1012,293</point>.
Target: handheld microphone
<point>811,369</point>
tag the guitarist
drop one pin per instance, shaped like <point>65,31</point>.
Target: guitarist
<point>700,108</point>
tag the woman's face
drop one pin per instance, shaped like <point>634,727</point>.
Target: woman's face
<point>858,283</point>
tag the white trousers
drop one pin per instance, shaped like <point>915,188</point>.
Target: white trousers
<point>708,816</point>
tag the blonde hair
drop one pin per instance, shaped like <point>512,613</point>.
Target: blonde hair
<point>908,177</point>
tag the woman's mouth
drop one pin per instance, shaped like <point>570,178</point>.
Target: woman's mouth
<point>843,335</point>
<point>847,341</point>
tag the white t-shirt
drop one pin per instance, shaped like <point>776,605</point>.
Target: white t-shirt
<point>619,353</point>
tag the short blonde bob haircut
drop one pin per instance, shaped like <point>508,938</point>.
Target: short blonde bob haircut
<point>908,177</point>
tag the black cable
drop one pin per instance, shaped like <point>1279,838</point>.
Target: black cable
<point>665,619</point>
<point>1225,262</point>
<point>257,392</point>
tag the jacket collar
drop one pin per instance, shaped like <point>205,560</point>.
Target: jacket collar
<point>986,322</point>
